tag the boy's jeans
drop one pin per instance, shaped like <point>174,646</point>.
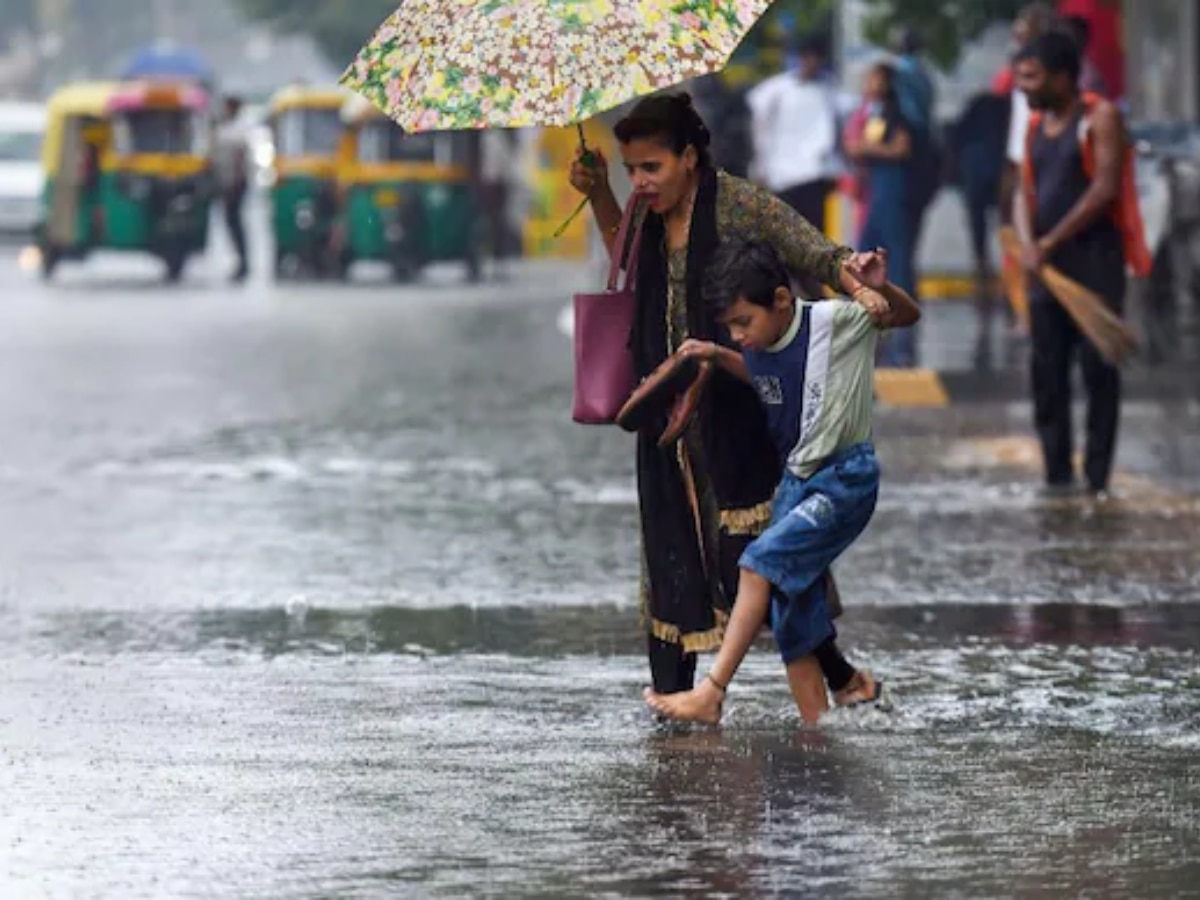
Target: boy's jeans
<point>813,521</point>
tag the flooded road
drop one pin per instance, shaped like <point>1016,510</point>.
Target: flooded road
<point>311,591</point>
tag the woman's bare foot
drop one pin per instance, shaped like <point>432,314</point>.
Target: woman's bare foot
<point>862,689</point>
<point>701,704</point>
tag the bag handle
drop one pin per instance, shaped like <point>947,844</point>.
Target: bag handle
<point>619,256</point>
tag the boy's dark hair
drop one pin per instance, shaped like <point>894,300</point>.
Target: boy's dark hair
<point>1056,51</point>
<point>671,119</point>
<point>749,270</point>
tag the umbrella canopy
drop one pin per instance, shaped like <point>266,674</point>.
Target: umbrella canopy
<point>167,62</point>
<point>456,64</point>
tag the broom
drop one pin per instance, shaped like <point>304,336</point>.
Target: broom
<point>1014,287</point>
<point>1104,328</point>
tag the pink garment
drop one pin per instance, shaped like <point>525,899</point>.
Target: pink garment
<point>1004,82</point>
<point>854,183</point>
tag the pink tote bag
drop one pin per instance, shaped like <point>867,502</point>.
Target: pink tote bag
<point>604,374</point>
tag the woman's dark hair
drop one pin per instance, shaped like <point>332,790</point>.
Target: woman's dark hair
<point>670,119</point>
<point>743,269</point>
<point>1057,52</point>
<point>888,71</point>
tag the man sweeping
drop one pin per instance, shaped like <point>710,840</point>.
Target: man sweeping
<point>1080,216</point>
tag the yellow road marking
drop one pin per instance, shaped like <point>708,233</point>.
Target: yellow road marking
<point>910,388</point>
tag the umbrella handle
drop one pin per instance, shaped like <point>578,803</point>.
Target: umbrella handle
<point>562,229</point>
<point>588,158</point>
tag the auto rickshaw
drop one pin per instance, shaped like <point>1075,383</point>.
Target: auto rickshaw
<point>306,125</point>
<point>128,167</point>
<point>406,199</point>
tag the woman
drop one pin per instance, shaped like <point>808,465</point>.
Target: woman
<point>884,149</point>
<point>703,500</point>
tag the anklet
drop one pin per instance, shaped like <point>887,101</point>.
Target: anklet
<point>721,687</point>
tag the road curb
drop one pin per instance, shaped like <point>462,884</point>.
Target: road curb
<point>931,389</point>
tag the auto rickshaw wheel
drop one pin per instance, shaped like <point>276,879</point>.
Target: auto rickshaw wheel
<point>473,258</point>
<point>474,267</point>
<point>175,261</point>
<point>405,271</point>
<point>340,265</point>
<point>49,261</point>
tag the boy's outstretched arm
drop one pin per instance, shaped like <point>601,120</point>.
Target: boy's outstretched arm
<point>726,357</point>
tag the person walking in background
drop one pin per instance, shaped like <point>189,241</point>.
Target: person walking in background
<point>1077,184</point>
<point>233,180</point>
<point>853,183</point>
<point>884,149</point>
<point>499,167</point>
<point>795,134</point>
<point>1032,21</point>
<point>976,144</point>
<point>916,96</point>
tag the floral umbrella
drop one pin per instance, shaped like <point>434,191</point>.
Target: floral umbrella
<point>459,64</point>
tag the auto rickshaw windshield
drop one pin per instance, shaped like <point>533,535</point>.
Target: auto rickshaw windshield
<point>308,132</point>
<point>384,142</point>
<point>172,132</point>
<point>20,146</point>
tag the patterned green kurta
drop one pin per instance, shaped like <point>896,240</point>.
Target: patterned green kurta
<point>744,212</point>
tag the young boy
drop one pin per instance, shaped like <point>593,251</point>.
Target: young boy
<point>813,365</point>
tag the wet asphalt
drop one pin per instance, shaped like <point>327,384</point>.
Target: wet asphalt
<point>312,590</point>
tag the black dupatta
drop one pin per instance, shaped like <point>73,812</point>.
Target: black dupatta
<point>737,463</point>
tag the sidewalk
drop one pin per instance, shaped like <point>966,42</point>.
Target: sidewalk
<point>948,342</point>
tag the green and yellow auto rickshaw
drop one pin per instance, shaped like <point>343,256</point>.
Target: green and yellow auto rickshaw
<point>306,124</point>
<point>128,167</point>
<point>406,199</point>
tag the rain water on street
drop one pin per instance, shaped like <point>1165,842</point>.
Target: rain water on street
<point>315,590</point>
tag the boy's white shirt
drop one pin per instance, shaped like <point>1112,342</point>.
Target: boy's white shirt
<point>839,383</point>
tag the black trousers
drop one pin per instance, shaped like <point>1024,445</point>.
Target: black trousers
<point>1056,339</point>
<point>233,201</point>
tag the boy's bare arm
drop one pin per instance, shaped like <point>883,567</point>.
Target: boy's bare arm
<point>726,357</point>
<point>902,310</point>
<point>731,361</point>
